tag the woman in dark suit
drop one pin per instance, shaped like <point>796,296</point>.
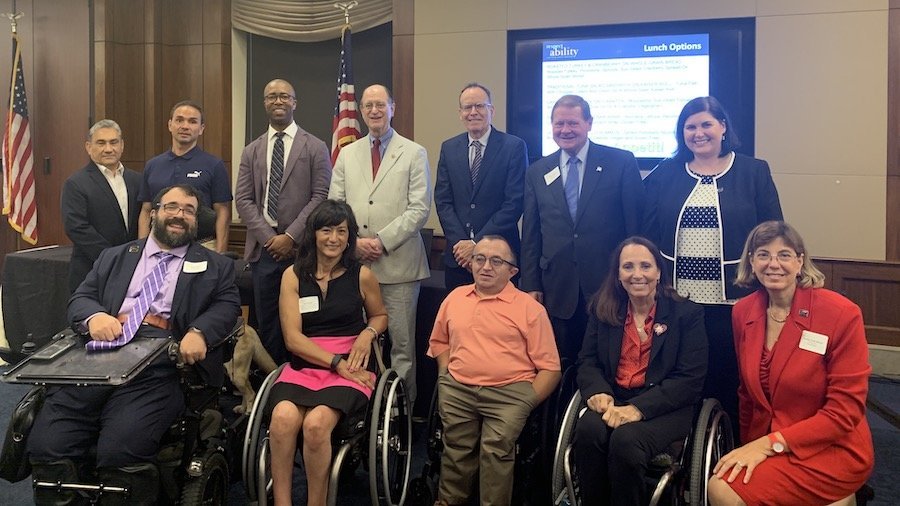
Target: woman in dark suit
<point>641,370</point>
<point>703,202</point>
<point>804,370</point>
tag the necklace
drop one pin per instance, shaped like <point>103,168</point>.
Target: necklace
<point>776,320</point>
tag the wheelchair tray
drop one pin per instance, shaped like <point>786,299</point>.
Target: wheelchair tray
<point>77,366</point>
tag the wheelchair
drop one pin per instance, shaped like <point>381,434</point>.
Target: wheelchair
<point>192,461</point>
<point>680,474</point>
<point>381,440</point>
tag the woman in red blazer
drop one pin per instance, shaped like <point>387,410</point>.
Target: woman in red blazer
<point>804,369</point>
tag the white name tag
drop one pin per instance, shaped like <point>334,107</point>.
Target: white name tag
<point>193,267</point>
<point>814,342</point>
<point>552,176</point>
<point>309,304</point>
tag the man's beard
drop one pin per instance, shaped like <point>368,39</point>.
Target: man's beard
<point>173,239</point>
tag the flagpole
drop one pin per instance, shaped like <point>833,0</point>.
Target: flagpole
<point>13,18</point>
<point>346,6</point>
<point>345,124</point>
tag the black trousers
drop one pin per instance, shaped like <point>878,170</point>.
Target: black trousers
<point>611,464</point>
<point>569,333</point>
<point>266,288</point>
<point>125,422</point>
<point>722,377</point>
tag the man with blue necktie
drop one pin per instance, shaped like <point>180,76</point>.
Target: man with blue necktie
<point>479,185</point>
<point>580,203</point>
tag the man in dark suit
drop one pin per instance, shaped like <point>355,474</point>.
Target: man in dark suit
<point>195,301</point>
<point>479,185</point>
<point>99,202</point>
<point>284,175</point>
<point>580,203</point>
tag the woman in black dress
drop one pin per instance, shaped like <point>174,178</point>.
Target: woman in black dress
<point>331,311</point>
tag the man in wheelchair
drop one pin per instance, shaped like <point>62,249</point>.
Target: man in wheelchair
<point>497,360</point>
<point>162,286</point>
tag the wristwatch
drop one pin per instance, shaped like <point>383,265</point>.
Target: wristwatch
<point>777,446</point>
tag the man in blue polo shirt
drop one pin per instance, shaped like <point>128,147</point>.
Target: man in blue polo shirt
<point>186,163</point>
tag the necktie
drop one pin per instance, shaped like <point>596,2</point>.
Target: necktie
<point>476,161</point>
<point>149,290</point>
<point>275,176</point>
<point>571,187</point>
<point>376,157</point>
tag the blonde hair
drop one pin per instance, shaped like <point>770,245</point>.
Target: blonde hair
<point>764,233</point>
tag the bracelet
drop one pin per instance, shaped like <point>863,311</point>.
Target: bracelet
<point>335,361</point>
<point>372,330</point>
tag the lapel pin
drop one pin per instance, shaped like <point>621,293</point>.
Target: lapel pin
<point>804,312</point>
<point>599,169</point>
<point>133,249</point>
<point>659,328</point>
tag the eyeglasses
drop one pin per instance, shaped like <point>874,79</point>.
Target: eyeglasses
<point>378,106</point>
<point>783,257</point>
<point>480,107</point>
<point>274,97</point>
<point>496,262</point>
<point>172,209</point>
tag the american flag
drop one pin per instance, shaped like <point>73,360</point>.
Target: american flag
<point>18,159</point>
<point>346,122</point>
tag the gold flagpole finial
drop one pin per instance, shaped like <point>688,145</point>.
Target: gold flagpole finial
<point>13,18</point>
<point>345,7</point>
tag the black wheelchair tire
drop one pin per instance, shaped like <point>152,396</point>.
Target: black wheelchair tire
<point>712,439</point>
<point>211,487</point>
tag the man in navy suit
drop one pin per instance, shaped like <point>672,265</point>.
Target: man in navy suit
<point>580,203</point>
<point>99,202</point>
<point>479,185</point>
<point>197,303</point>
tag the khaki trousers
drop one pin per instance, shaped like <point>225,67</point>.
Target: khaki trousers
<point>481,426</point>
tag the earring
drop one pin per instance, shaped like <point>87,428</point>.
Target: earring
<point>723,137</point>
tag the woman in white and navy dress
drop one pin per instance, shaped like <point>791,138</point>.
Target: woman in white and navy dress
<point>703,202</point>
<point>331,310</point>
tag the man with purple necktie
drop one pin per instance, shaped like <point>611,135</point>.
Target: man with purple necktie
<point>164,285</point>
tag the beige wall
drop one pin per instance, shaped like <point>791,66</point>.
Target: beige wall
<point>821,81</point>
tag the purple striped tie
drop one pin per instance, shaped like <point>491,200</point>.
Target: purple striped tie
<point>149,290</point>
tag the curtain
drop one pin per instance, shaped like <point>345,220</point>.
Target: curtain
<point>306,20</point>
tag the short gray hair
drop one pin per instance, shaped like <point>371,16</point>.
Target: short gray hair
<point>104,123</point>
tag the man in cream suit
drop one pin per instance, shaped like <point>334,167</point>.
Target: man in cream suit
<point>384,177</point>
<point>284,175</point>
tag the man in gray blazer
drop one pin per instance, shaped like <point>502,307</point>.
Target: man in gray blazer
<point>284,175</point>
<point>384,177</point>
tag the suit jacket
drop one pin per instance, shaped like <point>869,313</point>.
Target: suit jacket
<point>304,185</point>
<point>818,401</point>
<point>92,218</point>
<point>678,359</point>
<point>747,198</point>
<point>393,207</point>
<point>559,254</point>
<point>207,300</point>
<point>493,205</point>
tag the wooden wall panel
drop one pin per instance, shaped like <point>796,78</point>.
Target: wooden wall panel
<point>875,287</point>
<point>892,228</point>
<point>403,64</point>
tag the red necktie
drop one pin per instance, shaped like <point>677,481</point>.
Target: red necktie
<point>376,157</point>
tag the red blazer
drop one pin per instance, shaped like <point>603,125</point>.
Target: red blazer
<point>818,401</point>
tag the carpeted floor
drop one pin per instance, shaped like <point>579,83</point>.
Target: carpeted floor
<point>354,490</point>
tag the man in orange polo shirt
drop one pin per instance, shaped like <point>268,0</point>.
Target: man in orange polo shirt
<point>497,360</point>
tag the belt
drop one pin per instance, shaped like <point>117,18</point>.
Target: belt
<point>150,319</point>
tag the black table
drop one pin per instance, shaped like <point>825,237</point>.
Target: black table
<point>35,294</point>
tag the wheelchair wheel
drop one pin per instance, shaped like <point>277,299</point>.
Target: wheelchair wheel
<point>713,438</point>
<point>255,453</point>
<point>211,486</point>
<point>390,441</point>
<point>563,480</point>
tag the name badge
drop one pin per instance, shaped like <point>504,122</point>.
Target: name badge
<point>309,304</point>
<point>814,342</point>
<point>552,176</point>
<point>194,267</point>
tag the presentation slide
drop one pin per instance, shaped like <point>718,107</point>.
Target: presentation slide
<point>636,87</point>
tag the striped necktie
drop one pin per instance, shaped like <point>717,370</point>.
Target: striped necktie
<point>275,176</point>
<point>149,290</point>
<point>476,160</point>
<point>571,187</point>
